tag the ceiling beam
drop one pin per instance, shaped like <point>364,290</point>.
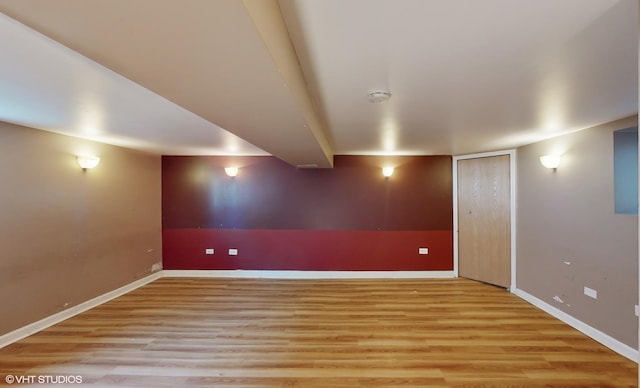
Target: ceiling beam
<point>271,26</point>
<point>209,57</point>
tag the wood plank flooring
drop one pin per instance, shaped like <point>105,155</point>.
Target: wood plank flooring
<point>317,333</point>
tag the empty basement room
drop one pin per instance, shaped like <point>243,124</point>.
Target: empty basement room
<point>331,193</point>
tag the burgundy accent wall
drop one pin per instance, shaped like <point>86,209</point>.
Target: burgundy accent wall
<point>282,217</point>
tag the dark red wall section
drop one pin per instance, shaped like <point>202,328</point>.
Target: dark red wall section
<point>281,217</point>
<point>317,250</point>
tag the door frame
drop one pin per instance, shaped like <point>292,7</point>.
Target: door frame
<point>512,196</point>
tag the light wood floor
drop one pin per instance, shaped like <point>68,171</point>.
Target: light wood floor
<point>318,333</point>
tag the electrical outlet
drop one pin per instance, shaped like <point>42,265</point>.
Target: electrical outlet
<point>591,293</point>
<point>637,311</point>
<point>233,252</point>
<point>208,251</point>
<point>423,251</point>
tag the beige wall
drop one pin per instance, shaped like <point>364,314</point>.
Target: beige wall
<point>68,235</point>
<point>568,236</point>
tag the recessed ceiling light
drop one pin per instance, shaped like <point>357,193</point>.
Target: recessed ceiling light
<point>379,96</point>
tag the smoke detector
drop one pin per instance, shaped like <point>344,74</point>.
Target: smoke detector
<point>379,96</point>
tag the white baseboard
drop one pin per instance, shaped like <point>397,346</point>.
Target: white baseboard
<point>608,341</point>
<point>51,320</point>
<point>265,274</point>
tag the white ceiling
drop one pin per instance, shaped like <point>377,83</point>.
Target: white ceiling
<point>48,86</point>
<point>291,77</point>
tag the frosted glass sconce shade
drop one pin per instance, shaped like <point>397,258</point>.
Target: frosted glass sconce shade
<point>550,161</point>
<point>88,162</point>
<point>231,171</point>
<point>387,171</point>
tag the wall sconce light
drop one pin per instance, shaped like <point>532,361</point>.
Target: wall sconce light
<point>231,171</point>
<point>387,171</point>
<point>550,161</point>
<point>87,162</point>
